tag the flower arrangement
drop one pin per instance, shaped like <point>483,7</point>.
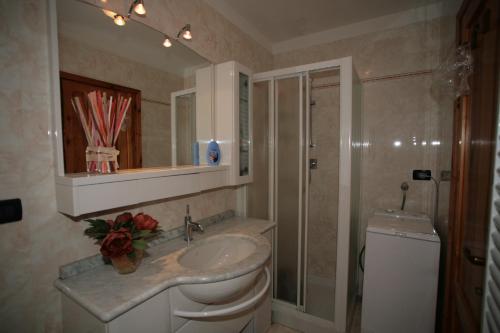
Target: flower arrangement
<point>102,119</point>
<point>123,240</point>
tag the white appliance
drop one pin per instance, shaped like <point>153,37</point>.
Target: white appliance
<point>401,274</point>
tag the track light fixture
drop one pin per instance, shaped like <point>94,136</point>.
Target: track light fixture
<point>167,42</point>
<point>119,20</point>
<point>138,7</point>
<point>185,32</point>
<point>109,13</point>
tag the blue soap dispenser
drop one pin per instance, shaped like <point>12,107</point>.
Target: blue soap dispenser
<point>213,153</point>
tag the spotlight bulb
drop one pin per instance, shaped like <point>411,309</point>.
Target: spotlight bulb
<point>187,35</point>
<point>167,42</point>
<point>119,20</point>
<point>139,8</point>
<point>109,13</point>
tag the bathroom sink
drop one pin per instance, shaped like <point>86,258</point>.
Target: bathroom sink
<point>218,257</point>
<point>218,251</point>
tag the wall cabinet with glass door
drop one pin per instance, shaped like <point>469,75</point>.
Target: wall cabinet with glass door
<point>233,120</point>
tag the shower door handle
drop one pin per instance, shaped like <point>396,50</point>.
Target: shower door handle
<point>313,163</point>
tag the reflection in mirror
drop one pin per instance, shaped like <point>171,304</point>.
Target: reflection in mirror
<point>128,61</point>
<point>184,117</point>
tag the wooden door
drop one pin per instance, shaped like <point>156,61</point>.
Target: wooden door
<point>472,168</point>
<point>74,142</point>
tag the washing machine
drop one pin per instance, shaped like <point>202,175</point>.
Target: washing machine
<point>401,273</point>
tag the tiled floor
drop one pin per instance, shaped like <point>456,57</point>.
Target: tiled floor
<point>277,328</point>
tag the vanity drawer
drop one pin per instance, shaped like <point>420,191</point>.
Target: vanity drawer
<point>229,324</point>
<point>152,316</point>
<point>215,179</point>
<point>78,200</point>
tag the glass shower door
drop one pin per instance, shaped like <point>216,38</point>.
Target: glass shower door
<point>306,189</point>
<point>321,244</point>
<point>288,187</point>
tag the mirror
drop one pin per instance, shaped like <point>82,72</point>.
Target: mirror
<point>130,62</point>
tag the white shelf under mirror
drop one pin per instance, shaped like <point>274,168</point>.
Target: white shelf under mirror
<point>79,194</point>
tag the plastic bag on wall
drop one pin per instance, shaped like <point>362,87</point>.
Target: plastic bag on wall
<point>453,73</point>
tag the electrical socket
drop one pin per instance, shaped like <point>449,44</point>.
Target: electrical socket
<point>422,175</point>
<point>11,211</point>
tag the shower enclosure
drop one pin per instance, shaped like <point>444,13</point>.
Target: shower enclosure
<point>307,128</point>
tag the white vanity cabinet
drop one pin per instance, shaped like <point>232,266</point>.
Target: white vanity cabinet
<point>156,315</point>
<point>233,120</point>
<point>262,317</point>
<point>152,316</point>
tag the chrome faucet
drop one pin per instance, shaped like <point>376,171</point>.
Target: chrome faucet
<point>189,226</point>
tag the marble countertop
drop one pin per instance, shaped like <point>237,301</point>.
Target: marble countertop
<point>107,294</point>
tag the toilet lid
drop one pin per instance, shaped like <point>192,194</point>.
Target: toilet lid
<point>403,227</point>
<point>402,214</point>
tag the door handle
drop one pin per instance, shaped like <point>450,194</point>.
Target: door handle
<point>478,261</point>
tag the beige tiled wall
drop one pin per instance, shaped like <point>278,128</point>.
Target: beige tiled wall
<point>33,249</point>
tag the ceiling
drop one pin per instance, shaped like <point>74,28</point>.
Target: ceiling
<point>276,21</point>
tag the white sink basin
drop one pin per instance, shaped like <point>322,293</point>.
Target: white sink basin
<point>221,255</point>
<point>217,252</point>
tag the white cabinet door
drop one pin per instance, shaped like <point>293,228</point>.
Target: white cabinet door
<point>152,316</point>
<point>233,120</point>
